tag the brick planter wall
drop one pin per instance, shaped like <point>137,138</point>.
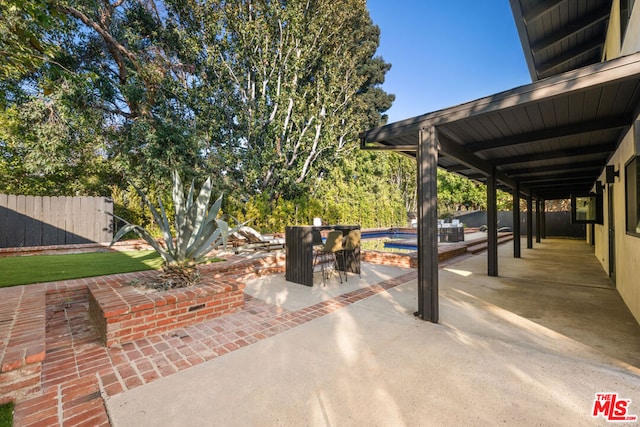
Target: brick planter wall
<point>410,260</point>
<point>124,313</point>
<point>389,258</point>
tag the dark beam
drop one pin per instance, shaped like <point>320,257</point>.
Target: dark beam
<point>549,183</point>
<point>457,168</point>
<point>565,190</point>
<point>559,178</point>
<point>558,196</point>
<point>539,9</point>
<point>563,185</point>
<point>562,193</point>
<point>595,17</point>
<point>462,155</point>
<point>614,122</point>
<point>547,69</point>
<point>407,148</point>
<point>427,160</point>
<point>556,154</point>
<point>552,184</point>
<point>476,176</point>
<point>592,174</point>
<point>594,164</point>
<point>470,160</point>
<point>492,226</point>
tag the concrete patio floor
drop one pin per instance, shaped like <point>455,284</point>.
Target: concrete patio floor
<point>531,347</point>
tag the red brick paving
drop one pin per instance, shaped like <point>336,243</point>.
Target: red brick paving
<point>78,371</point>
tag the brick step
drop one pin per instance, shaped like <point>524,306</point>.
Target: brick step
<point>22,341</point>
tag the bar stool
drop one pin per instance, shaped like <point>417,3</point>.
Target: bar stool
<point>351,243</point>
<point>331,249</point>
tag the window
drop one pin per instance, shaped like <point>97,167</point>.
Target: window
<point>626,6</point>
<point>586,209</point>
<point>632,195</point>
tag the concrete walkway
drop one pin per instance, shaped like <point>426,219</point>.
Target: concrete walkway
<point>531,347</point>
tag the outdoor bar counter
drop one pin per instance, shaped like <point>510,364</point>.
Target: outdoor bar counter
<point>299,251</point>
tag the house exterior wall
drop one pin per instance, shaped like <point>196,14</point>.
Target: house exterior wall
<point>627,247</point>
<point>601,248</point>
<point>631,43</point>
<point>612,42</point>
<point>632,37</point>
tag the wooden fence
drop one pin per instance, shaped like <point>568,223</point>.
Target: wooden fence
<point>49,221</point>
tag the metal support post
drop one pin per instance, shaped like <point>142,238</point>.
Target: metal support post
<point>492,225</point>
<point>516,221</point>
<point>427,158</point>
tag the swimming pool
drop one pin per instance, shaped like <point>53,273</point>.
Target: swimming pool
<point>397,241</point>
<point>390,233</point>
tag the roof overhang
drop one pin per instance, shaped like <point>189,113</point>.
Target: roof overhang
<point>552,137</point>
<point>561,35</point>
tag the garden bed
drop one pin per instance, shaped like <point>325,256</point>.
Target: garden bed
<point>123,313</point>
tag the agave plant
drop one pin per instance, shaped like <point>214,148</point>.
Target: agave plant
<point>197,226</point>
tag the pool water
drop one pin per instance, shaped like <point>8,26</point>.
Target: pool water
<point>384,242</point>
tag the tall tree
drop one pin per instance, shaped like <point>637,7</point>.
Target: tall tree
<point>403,176</point>
<point>301,81</point>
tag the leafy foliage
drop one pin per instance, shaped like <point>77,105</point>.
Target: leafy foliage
<point>25,35</point>
<point>456,192</point>
<point>49,149</point>
<point>459,193</point>
<point>361,191</point>
<point>197,227</point>
<point>358,190</point>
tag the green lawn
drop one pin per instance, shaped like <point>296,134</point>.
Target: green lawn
<point>47,268</point>
<point>6,415</point>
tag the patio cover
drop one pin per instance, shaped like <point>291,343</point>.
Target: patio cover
<point>552,137</point>
<point>549,139</point>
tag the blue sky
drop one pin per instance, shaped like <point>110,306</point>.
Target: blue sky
<point>444,53</point>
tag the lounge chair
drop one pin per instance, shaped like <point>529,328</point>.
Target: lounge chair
<point>235,241</point>
<point>256,241</point>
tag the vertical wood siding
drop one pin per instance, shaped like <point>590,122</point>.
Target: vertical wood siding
<point>49,221</point>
